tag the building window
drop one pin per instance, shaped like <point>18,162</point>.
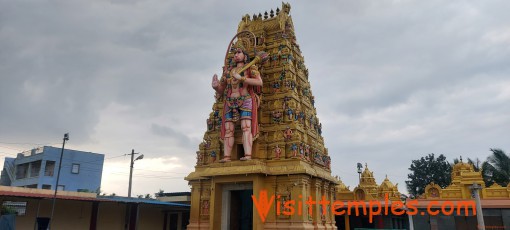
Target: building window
<point>19,208</point>
<point>35,167</point>
<point>21,171</point>
<point>61,187</point>
<point>46,186</point>
<point>75,169</point>
<point>50,168</point>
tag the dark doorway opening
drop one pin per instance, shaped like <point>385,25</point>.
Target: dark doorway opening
<point>240,151</point>
<point>340,221</point>
<point>363,222</point>
<point>241,210</point>
<point>174,220</point>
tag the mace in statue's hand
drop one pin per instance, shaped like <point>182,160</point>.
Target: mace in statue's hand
<point>239,77</point>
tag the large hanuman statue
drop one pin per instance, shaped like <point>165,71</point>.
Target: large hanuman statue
<point>240,101</point>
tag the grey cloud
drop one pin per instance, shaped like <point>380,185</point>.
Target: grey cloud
<point>165,131</point>
<point>393,80</point>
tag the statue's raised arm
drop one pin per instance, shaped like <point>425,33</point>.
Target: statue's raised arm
<point>217,84</point>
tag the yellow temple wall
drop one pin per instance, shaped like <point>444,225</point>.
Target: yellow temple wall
<point>463,177</point>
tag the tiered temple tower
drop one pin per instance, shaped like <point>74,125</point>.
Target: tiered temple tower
<point>368,189</point>
<point>289,159</point>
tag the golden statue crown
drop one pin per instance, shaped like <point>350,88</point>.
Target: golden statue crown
<point>244,43</point>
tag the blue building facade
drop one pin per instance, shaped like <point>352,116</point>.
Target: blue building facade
<point>37,168</point>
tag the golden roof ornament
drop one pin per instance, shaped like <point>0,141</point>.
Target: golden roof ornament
<point>244,43</point>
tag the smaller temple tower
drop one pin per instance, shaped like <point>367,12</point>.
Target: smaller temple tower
<point>368,192</point>
<point>368,189</point>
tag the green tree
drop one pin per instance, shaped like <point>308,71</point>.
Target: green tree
<point>7,210</point>
<point>160,193</point>
<point>426,170</point>
<point>497,168</point>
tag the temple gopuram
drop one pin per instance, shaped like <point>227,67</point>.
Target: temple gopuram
<point>366,191</point>
<point>263,136</point>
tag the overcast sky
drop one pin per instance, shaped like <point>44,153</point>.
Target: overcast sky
<point>393,80</point>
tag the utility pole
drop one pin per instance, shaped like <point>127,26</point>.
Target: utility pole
<point>131,169</point>
<point>66,138</point>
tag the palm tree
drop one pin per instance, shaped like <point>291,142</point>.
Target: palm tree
<point>497,168</point>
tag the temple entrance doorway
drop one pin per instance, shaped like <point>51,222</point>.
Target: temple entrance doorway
<point>237,207</point>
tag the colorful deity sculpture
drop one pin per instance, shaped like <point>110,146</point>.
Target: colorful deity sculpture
<point>277,152</point>
<point>210,124</point>
<point>205,207</point>
<point>277,116</point>
<point>207,142</point>
<point>302,150</point>
<point>240,102</point>
<point>199,158</point>
<point>290,112</point>
<point>276,87</point>
<point>307,152</point>
<point>286,100</point>
<point>213,156</point>
<point>294,150</point>
<point>287,134</point>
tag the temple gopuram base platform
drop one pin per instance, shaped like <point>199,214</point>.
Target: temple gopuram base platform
<point>224,189</point>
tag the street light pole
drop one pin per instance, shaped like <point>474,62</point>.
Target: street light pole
<point>410,217</point>
<point>411,222</point>
<point>479,214</point>
<point>66,138</point>
<point>131,169</point>
<point>360,166</point>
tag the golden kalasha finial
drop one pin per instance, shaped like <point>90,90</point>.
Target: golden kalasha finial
<point>286,8</point>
